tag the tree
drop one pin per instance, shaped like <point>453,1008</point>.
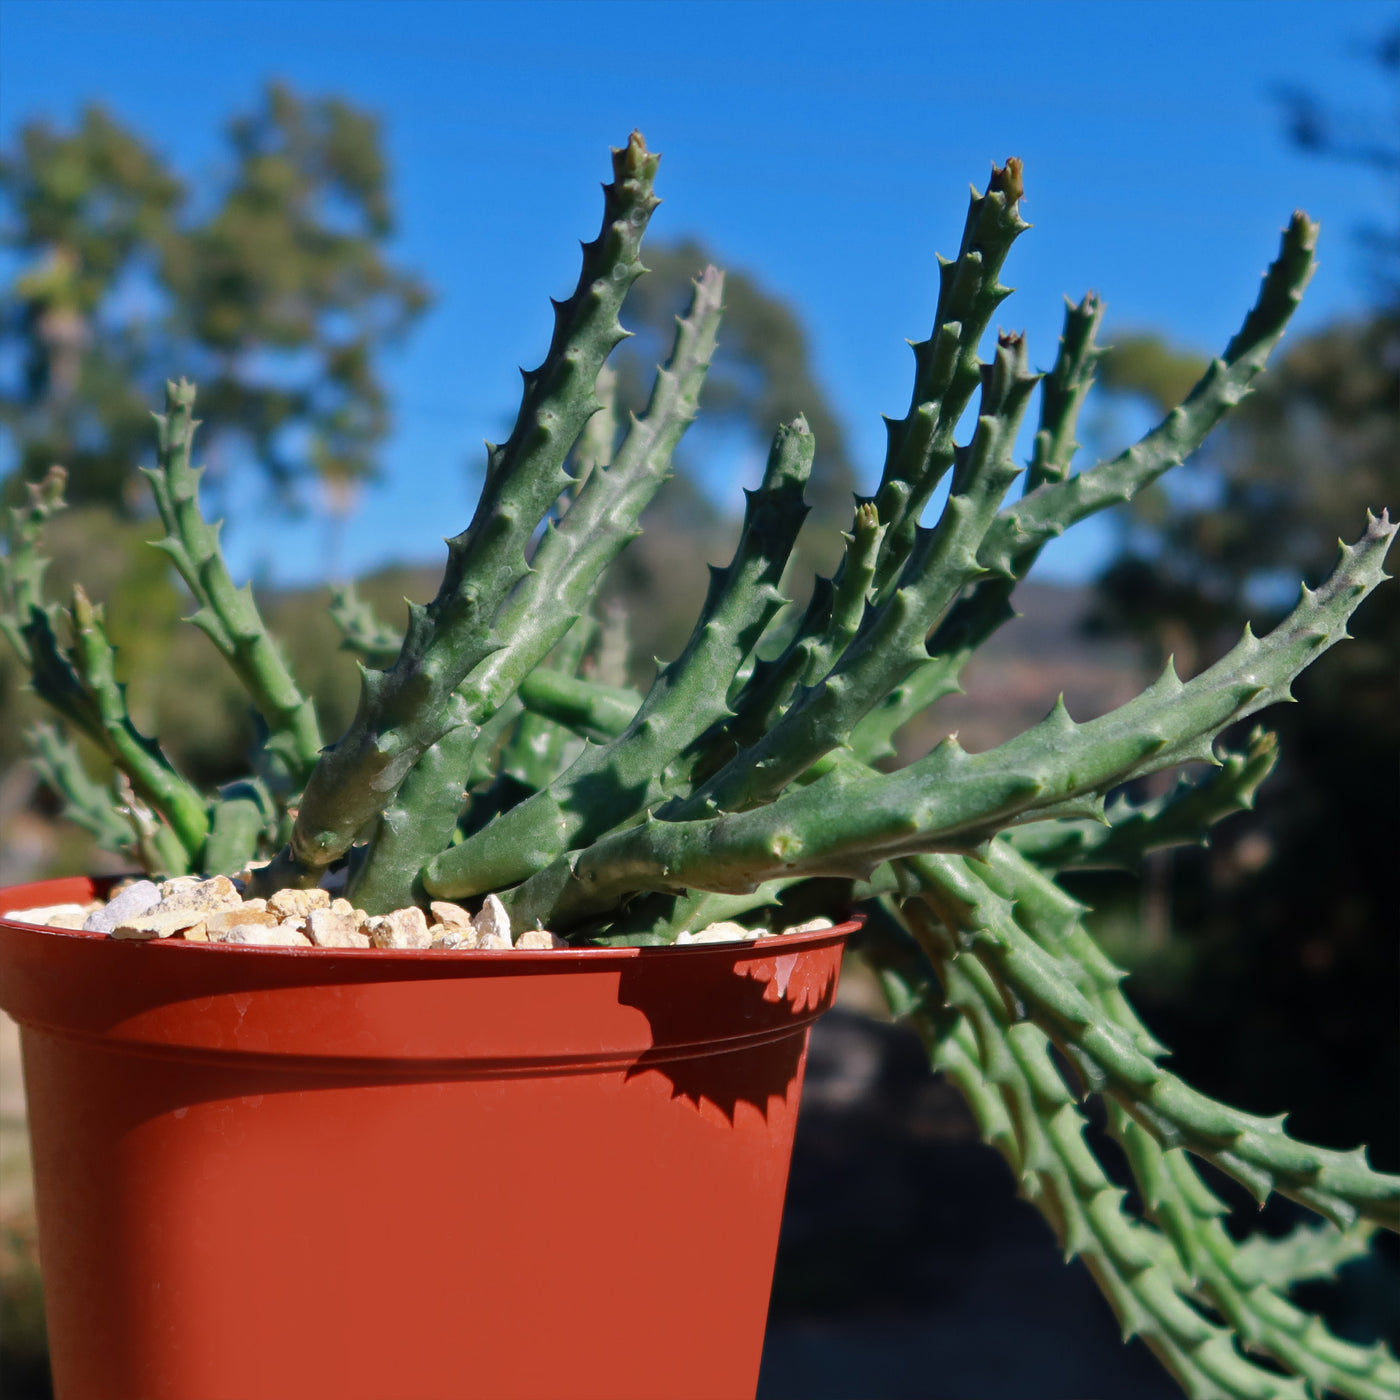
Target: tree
<point>272,290</point>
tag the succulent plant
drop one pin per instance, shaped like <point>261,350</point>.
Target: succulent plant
<point>491,754</point>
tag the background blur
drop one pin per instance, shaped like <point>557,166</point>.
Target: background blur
<point>344,219</point>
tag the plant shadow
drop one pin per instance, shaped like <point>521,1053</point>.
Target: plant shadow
<point>770,1001</point>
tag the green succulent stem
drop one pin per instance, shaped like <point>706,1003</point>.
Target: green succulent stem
<point>22,567</point>
<point>157,848</point>
<point>598,522</point>
<point>650,759</point>
<point>1306,1253</point>
<point>1259,1312</point>
<point>1063,391</point>
<point>86,802</point>
<point>227,615</point>
<point>532,755</point>
<point>1112,1059</point>
<point>1182,817</point>
<point>403,711</point>
<point>890,644</point>
<point>851,819</point>
<point>592,711</point>
<point>81,685</point>
<point>1056,504</point>
<point>244,816</point>
<point>1247,1290</point>
<point>853,591</point>
<point>361,631</point>
<point>987,606</point>
<point>598,440</point>
<point>920,445</point>
<point>1005,1070</point>
<point>1054,500</point>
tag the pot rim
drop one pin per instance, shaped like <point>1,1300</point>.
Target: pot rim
<point>767,944</point>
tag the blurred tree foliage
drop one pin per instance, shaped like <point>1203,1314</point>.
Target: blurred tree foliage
<point>271,289</point>
<point>1282,977</point>
<point>1358,138</point>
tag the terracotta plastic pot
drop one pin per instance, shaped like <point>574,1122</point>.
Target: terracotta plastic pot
<point>279,1172</point>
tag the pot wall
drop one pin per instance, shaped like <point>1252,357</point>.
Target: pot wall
<point>268,1172</point>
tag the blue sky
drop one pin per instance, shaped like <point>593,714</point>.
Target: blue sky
<point>826,148</point>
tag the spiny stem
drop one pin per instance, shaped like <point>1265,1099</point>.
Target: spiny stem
<point>227,615</point>
<point>1055,505</point>
<point>891,643</point>
<point>1262,1316</point>
<point>650,759</point>
<point>361,631</point>
<point>851,819</point>
<point>920,447</point>
<point>1255,1151</point>
<point>87,803</point>
<point>82,686</point>
<point>1182,817</point>
<point>979,612</point>
<point>404,711</point>
<point>1005,1071</point>
<point>22,566</point>
<point>570,558</point>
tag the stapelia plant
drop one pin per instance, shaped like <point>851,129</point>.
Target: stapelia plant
<point>492,752</point>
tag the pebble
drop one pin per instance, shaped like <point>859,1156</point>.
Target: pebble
<point>811,926</point>
<point>297,904</point>
<point>492,925</point>
<point>453,928</point>
<point>204,911</point>
<point>451,936</point>
<point>539,938</point>
<point>53,915</point>
<point>134,899</point>
<point>453,915</point>
<point>190,896</point>
<point>230,918</point>
<point>404,928</point>
<point>177,884</point>
<point>725,931</point>
<point>336,928</point>
<point>159,923</point>
<point>287,934</point>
